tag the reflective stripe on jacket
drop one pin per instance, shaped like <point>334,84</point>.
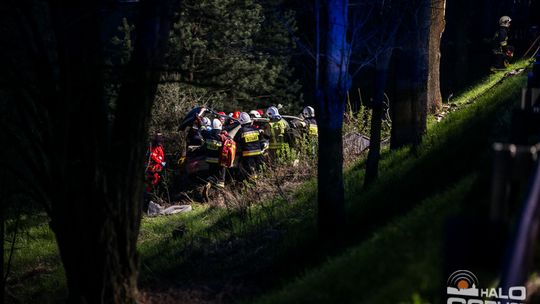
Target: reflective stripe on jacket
<point>313,129</point>
<point>213,145</point>
<point>249,141</point>
<point>276,131</point>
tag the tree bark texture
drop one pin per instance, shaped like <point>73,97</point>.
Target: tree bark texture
<point>436,30</point>
<point>462,37</point>
<point>330,96</point>
<point>374,154</point>
<point>90,164</point>
<point>409,107</point>
<point>2,240</point>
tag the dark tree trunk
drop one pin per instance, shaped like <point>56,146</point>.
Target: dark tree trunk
<point>92,168</point>
<point>436,30</point>
<point>79,209</point>
<point>317,41</point>
<point>409,107</point>
<point>330,95</point>
<point>374,154</point>
<point>97,220</point>
<point>2,239</point>
<point>462,43</point>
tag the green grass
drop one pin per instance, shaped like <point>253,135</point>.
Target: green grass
<point>219,243</point>
<point>35,265</point>
<point>486,84</point>
<point>453,148</point>
<point>400,263</point>
<point>216,241</point>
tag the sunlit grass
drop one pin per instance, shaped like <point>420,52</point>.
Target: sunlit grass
<point>396,259</point>
<point>400,261</point>
<point>182,241</point>
<point>486,84</point>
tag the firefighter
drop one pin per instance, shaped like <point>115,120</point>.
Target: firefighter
<point>248,139</point>
<point>311,123</point>
<point>222,117</point>
<point>156,162</point>
<point>254,114</point>
<point>502,52</point>
<point>213,145</point>
<point>276,131</point>
<point>194,138</point>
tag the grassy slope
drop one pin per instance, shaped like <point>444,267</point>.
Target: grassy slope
<point>400,262</point>
<point>396,264</point>
<point>271,230</point>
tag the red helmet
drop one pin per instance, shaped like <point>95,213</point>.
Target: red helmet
<point>222,116</point>
<point>236,115</point>
<point>261,112</point>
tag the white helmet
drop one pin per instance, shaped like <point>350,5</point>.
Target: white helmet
<point>205,121</point>
<point>216,124</point>
<point>272,111</point>
<point>244,118</point>
<point>505,21</point>
<point>308,112</point>
<point>254,114</point>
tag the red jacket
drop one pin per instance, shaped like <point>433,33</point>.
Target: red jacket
<point>157,156</point>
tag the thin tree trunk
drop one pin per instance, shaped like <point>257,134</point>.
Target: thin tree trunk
<point>330,96</point>
<point>317,41</point>
<point>2,239</point>
<point>461,64</point>
<point>403,120</point>
<point>409,108</point>
<point>436,30</point>
<point>374,154</point>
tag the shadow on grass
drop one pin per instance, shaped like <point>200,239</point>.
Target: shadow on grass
<point>270,246</point>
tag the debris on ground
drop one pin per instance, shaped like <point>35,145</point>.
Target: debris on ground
<point>155,209</point>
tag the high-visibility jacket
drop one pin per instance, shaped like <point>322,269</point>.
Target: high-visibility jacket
<point>276,131</point>
<point>157,156</point>
<point>249,141</point>
<point>213,144</point>
<point>312,128</point>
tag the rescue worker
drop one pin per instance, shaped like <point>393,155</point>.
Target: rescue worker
<point>248,140</point>
<point>156,162</point>
<point>254,114</point>
<point>311,123</point>
<point>222,117</point>
<point>206,128</point>
<point>194,138</point>
<point>213,144</point>
<point>502,52</point>
<point>275,131</point>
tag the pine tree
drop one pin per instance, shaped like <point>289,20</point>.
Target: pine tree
<point>217,50</point>
<point>276,39</point>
